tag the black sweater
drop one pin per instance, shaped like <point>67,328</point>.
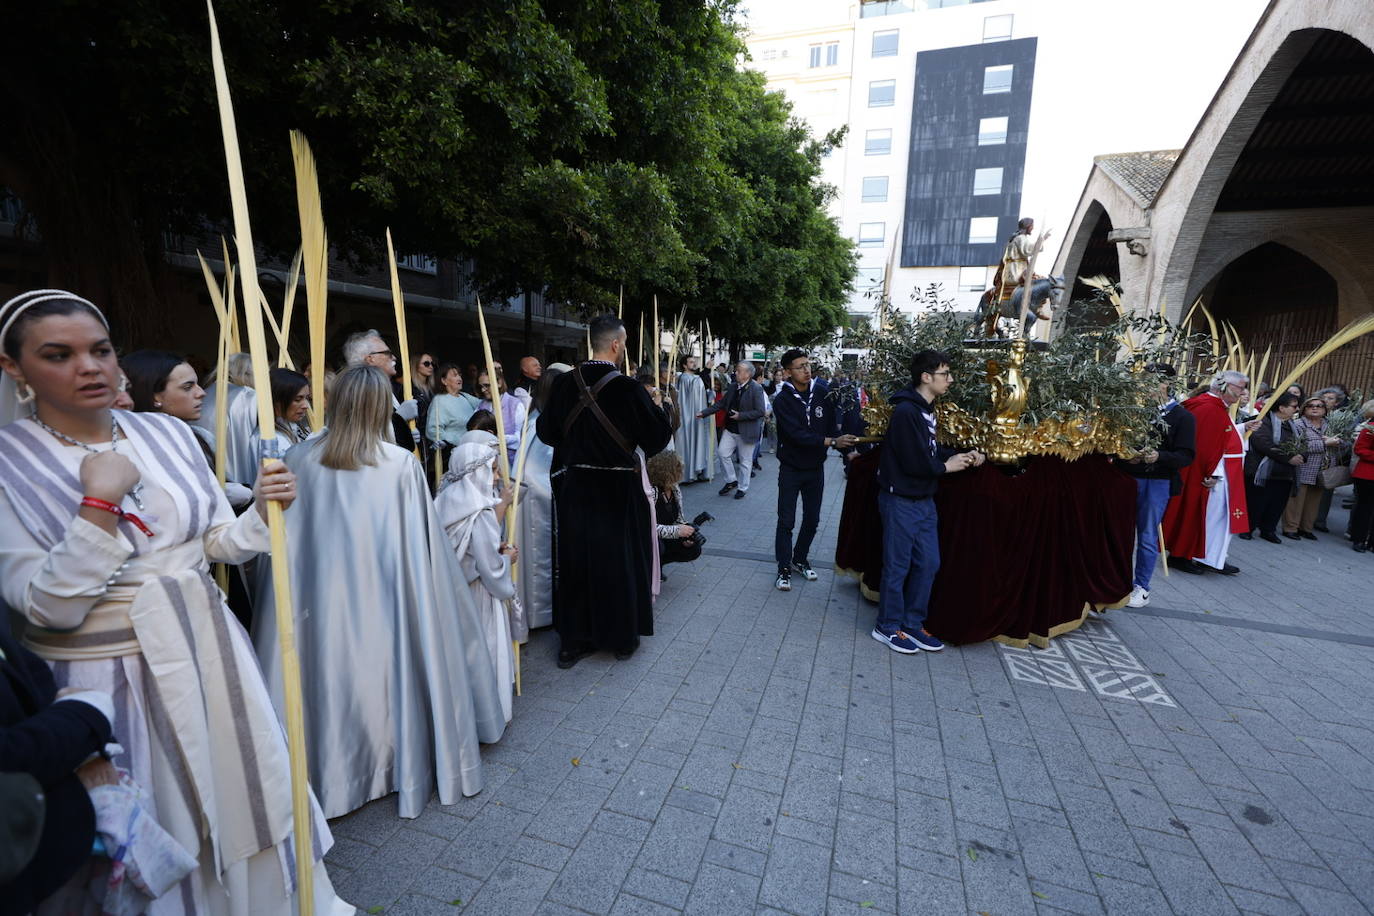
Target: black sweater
<point>804,421</point>
<point>1177,447</point>
<point>911,461</point>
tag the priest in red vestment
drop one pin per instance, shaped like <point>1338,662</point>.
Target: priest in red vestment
<point>1211,506</point>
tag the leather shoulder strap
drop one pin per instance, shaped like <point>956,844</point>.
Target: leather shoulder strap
<point>588,401</point>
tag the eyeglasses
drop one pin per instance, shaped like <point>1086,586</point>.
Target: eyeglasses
<point>381,353</point>
<point>428,364</point>
<point>799,367</point>
<point>946,373</point>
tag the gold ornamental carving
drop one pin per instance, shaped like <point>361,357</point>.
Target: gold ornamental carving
<point>1007,436</point>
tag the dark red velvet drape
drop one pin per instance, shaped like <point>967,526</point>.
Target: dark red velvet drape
<point>1020,555</point>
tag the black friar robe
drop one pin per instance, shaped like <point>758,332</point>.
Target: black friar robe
<point>603,524</point>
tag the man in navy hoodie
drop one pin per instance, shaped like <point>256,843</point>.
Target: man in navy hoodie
<point>807,428</point>
<point>909,470</point>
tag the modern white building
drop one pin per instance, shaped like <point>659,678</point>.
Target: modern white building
<point>965,115</point>
<point>936,97</point>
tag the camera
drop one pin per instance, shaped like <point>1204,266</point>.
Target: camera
<point>698,539</point>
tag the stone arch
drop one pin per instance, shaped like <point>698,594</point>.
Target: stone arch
<point>1090,254</point>
<point>1179,282</point>
<point>1353,300</point>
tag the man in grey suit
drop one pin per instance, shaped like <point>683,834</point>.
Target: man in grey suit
<point>744,406</point>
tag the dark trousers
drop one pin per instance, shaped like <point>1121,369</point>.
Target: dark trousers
<point>1362,516</point>
<point>1276,493</point>
<point>911,558</point>
<point>810,485</point>
<point>677,550</point>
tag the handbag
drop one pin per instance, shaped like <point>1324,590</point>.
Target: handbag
<point>1337,475</point>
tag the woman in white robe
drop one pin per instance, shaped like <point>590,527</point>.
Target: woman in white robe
<point>398,683</point>
<point>471,512</point>
<point>107,522</point>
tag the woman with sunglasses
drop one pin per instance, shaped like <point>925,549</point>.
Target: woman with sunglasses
<point>1301,512</point>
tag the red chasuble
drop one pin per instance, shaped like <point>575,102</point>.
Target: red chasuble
<point>1185,522</point>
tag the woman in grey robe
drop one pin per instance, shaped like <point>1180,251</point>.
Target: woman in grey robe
<point>399,685</point>
<point>534,521</point>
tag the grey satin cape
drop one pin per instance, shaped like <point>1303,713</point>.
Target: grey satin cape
<point>399,686</point>
<point>240,429</point>
<point>535,537</point>
<point>690,439</point>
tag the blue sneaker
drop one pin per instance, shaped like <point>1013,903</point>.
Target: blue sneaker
<point>923,639</point>
<point>897,642</point>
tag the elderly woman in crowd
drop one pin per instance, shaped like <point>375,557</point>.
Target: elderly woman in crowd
<point>1301,513</point>
<point>399,686</point>
<point>1272,442</point>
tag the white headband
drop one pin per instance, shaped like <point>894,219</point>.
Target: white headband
<point>15,307</point>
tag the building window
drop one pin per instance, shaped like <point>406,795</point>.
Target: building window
<point>882,93</point>
<point>997,28</point>
<point>869,279</point>
<point>422,263</point>
<point>885,44</point>
<point>987,181</point>
<point>832,54</point>
<point>973,279</point>
<point>997,79</point>
<point>871,234</point>
<point>992,131</point>
<point>878,142</point>
<point>981,230</point>
<point>875,189</point>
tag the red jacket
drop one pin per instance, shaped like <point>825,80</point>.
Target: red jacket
<point>1364,450</point>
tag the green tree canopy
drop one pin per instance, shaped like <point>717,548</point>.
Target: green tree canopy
<point>570,146</point>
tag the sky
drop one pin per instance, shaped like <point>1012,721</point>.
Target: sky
<point>1112,76</point>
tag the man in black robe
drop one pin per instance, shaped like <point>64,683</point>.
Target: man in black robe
<point>601,424</point>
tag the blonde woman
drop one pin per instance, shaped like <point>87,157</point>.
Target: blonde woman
<point>399,686</point>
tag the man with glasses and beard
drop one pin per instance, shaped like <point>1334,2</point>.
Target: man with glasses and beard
<point>808,427</point>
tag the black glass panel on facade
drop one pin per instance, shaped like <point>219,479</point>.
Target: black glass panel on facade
<point>948,107</point>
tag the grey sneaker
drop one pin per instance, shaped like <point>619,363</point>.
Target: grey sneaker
<point>784,581</point>
<point>804,570</point>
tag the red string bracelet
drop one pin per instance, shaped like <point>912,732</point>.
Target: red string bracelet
<point>110,507</point>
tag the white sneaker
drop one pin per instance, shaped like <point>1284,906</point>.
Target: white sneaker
<point>1139,597</point>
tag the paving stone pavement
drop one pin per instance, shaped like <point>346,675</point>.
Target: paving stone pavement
<point>1212,753</point>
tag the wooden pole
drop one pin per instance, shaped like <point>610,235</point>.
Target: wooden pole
<point>221,425</point>
<point>398,302</point>
<point>502,459</point>
<point>658,340</point>
<point>281,570</point>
